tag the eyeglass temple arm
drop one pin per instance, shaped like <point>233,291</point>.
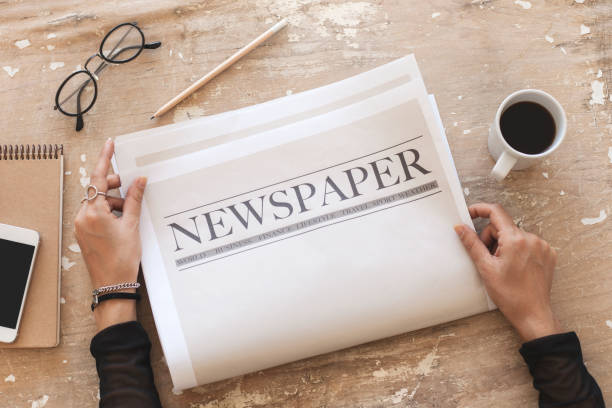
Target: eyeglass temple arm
<point>79,123</point>
<point>153,45</point>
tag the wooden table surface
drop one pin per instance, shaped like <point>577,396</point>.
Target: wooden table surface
<point>471,53</point>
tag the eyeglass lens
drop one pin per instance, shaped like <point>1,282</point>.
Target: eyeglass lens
<point>78,93</point>
<point>122,44</point>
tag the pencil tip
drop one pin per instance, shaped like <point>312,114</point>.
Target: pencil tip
<point>152,117</point>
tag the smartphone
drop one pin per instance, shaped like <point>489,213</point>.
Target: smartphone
<point>18,247</point>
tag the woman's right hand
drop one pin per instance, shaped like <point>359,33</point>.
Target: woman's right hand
<point>517,269</point>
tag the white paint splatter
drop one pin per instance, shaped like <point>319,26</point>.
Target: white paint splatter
<point>68,173</point>
<point>467,131</point>
<point>171,52</point>
<point>460,97</point>
<point>21,44</point>
<point>549,39</point>
<point>10,378</point>
<point>85,179</point>
<point>584,29</point>
<point>561,193</point>
<point>399,396</point>
<point>425,366</point>
<point>545,174</point>
<point>50,47</point>
<point>51,35</point>
<point>41,402</point>
<point>596,220</point>
<point>609,323</point>
<point>75,248</point>
<point>579,1</point>
<point>62,300</point>
<point>599,74</point>
<point>524,4</point>
<point>597,97</point>
<point>180,54</point>
<point>610,154</point>
<point>177,392</point>
<point>563,50</point>
<point>435,15</point>
<point>83,157</point>
<point>11,71</point>
<point>344,14</point>
<point>289,92</point>
<point>66,264</point>
<point>466,191</point>
<point>55,65</point>
<point>65,361</point>
<point>455,124</point>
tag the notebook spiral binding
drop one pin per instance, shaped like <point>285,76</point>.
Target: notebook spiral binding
<point>31,152</point>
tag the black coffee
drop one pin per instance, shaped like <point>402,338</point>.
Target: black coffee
<point>528,127</point>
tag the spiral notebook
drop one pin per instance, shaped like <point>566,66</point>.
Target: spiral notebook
<point>31,184</point>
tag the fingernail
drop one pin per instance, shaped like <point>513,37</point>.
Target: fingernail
<point>109,140</point>
<point>142,182</point>
<point>459,230</point>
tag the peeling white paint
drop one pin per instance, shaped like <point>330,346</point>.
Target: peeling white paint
<point>41,402</point>
<point>62,300</point>
<point>563,50</point>
<point>68,173</point>
<point>596,220</point>
<point>524,4</point>
<point>399,396</point>
<point>435,15</point>
<point>51,35</point>
<point>609,323</point>
<point>549,39</point>
<point>610,153</point>
<point>584,29</point>
<point>55,65</point>
<point>50,47</point>
<point>561,193</point>
<point>21,44</point>
<point>460,97</point>
<point>466,191</point>
<point>425,366</point>
<point>10,71</point>
<point>545,174</point>
<point>66,264</point>
<point>599,74</point>
<point>83,157</point>
<point>85,179</point>
<point>597,97</point>
<point>10,378</point>
<point>467,131</point>
<point>75,248</point>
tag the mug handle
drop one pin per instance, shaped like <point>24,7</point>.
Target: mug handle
<point>504,164</point>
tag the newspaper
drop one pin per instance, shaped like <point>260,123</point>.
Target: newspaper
<point>301,226</point>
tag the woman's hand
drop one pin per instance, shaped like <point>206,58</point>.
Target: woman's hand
<point>111,245</point>
<point>517,269</point>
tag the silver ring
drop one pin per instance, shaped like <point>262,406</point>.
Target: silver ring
<point>95,194</point>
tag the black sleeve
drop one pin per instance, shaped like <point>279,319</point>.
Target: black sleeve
<point>124,367</point>
<point>559,374</point>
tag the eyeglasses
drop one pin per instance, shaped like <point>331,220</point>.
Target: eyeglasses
<point>78,93</point>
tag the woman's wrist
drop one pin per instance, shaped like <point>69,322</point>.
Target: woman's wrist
<point>534,327</point>
<point>114,311</point>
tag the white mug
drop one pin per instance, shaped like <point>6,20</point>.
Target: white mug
<point>507,158</point>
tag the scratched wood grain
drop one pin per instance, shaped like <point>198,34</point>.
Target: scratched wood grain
<point>471,53</point>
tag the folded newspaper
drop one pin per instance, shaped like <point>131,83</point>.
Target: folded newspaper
<point>300,226</point>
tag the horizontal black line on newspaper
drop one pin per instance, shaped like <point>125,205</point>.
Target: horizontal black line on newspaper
<point>294,178</point>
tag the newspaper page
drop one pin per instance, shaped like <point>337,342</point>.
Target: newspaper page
<point>309,236</point>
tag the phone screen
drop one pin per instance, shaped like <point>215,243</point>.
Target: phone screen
<point>16,259</point>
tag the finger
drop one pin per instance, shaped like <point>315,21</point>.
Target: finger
<point>489,235</point>
<point>115,203</point>
<point>98,177</point>
<point>133,200</point>
<point>494,212</point>
<point>474,246</point>
<point>113,181</point>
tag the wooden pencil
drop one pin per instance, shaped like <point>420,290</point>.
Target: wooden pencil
<point>219,69</point>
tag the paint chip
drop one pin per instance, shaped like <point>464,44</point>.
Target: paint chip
<point>610,154</point>
<point>83,157</point>
<point>177,392</point>
<point>563,50</point>
<point>64,361</point>
<point>75,248</point>
<point>66,264</point>
<point>467,131</point>
<point>597,96</point>
<point>10,378</point>
<point>524,4</point>
<point>435,15</point>
<point>50,47</point>
<point>599,74</point>
<point>41,402</point>
<point>62,300</point>
<point>596,220</point>
<point>609,323</point>
<point>68,173</point>
<point>11,71</point>
<point>455,124</point>
<point>21,44</point>
<point>561,193</point>
<point>549,39</point>
<point>56,65</point>
<point>84,178</point>
<point>466,191</point>
<point>579,1</point>
<point>584,29</point>
<point>460,97</point>
<point>51,35</point>
<point>545,174</point>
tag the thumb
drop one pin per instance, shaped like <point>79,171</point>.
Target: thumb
<point>474,246</point>
<point>133,200</point>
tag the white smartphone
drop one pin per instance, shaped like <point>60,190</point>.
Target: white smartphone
<point>18,247</point>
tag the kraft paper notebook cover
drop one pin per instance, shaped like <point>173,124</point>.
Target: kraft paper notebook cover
<point>31,183</point>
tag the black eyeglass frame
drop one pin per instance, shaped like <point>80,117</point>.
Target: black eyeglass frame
<point>93,76</point>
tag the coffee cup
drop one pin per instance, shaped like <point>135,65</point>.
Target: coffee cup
<point>529,125</point>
